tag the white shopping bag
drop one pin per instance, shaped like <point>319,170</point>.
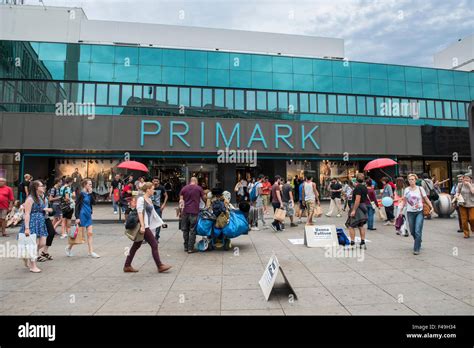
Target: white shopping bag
<point>27,248</point>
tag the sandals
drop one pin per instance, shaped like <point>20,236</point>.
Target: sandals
<point>44,257</point>
<point>41,258</point>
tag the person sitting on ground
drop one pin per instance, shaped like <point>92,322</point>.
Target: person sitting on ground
<point>16,214</point>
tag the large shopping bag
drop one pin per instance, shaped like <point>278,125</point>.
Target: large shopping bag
<point>280,215</point>
<point>237,225</point>
<point>27,248</point>
<point>381,214</point>
<point>204,227</point>
<point>79,237</point>
<point>318,211</point>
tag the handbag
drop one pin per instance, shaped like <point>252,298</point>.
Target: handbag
<point>134,234</point>
<point>426,207</point>
<point>372,203</point>
<point>280,214</point>
<point>79,239</point>
<point>399,222</point>
<point>73,232</point>
<point>381,214</point>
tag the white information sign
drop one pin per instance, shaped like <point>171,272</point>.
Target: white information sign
<point>320,236</point>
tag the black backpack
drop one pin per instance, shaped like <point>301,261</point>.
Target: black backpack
<point>132,220</point>
<point>433,195</point>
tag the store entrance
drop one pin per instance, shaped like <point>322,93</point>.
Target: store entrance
<point>205,173</point>
<point>438,171</point>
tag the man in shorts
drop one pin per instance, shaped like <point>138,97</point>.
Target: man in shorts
<point>310,198</point>
<point>288,201</point>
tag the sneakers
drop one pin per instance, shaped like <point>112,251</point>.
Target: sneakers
<point>115,213</point>
<point>63,236</point>
<point>338,215</point>
<point>94,255</point>
<point>254,229</point>
<point>388,223</point>
<point>328,215</point>
<point>68,252</point>
<point>416,253</point>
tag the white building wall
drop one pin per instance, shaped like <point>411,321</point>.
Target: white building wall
<point>458,56</point>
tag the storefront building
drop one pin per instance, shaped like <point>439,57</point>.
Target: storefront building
<point>67,104</point>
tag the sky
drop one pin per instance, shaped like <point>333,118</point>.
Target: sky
<point>407,32</point>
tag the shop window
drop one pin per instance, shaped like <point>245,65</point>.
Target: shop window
<point>293,102</point>
<point>462,111</point>
<point>282,101</point>
<point>207,98</point>
<point>322,108</point>
<point>89,91</point>
<point>351,105</point>
<point>439,109</point>
<point>184,96</point>
<point>430,109</point>
<point>102,92</point>
<point>454,110</point>
<point>219,98</point>
<point>261,100</point>
<point>447,110</point>
<point>114,94</point>
<point>172,96</point>
<point>304,102</point>
<point>422,108</point>
<point>312,103</point>
<point>160,94</point>
<point>239,100</point>
<point>370,106</point>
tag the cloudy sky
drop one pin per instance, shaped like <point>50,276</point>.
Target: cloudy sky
<point>407,32</point>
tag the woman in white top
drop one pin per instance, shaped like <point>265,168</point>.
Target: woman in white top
<point>149,221</point>
<point>413,198</point>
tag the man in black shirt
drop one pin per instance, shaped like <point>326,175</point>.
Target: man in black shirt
<point>115,191</point>
<point>23,189</point>
<point>358,213</point>
<point>336,189</point>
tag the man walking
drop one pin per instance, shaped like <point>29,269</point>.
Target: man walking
<point>310,198</point>
<point>288,201</point>
<point>276,202</point>
<point>6,204</point>
<point>189,198</point>
<point>115,192</point>
<point>23,188</point>
<point>159,199</point>
<point>336,189</point>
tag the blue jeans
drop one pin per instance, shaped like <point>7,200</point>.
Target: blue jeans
<point>158,229</point>
<point>415,221</point>
<point>370,215</point>
<point>116,205</point>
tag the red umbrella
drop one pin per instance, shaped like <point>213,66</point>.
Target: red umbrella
<point>133,165</point>
<point>380,163</point>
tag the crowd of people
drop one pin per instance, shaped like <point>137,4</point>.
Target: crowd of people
<point>43,211</point>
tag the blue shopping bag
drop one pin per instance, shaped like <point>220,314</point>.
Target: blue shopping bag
<point>342,237</point>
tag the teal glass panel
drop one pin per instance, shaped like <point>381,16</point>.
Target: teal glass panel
<point>414,89</point>
<point>447,110</point>
<point>282,81</point>
<point>303,82</point>
<point>430,106</point>
<point>422,108</point>
<point>102,72</point>
<point>172,75</point>
<point>302,66</point>
<point>293,102</point>
<point>304,102</point>
<point>429,75</point>
<point>184,97</point>
<point>218,78</point>
<point>323,83</point>
<point>196,59</point>
<point>430,90</point>
<point>261,100</point>
<point>445,77</point>
<point>341,104</point>
<point>322,67</point>
<point>360,86</point>
<point>461,92</point>
<point>160,94</point>
<point>240,78</point>
<point>370,106</point>
<point>229,99</point>
<point>89,91</point>
<point>56,69</point>
<point>351,105</point>
<point>322,107</point>
<point>282,101</point>
<point>150,56</point>
<point>207,97</point>
<point>219,98</point>
<point>125,73</point>
<point>378,87</point>
<point>395,72</point>
<point>239,61</point>
<point>250,98</point>
<point>472,93</point>
<point>396,88</point>
<point>114,91</point>
<point>195,76</point>
<point>102,93</point>
<point>378,71</point>
<point>173,57</point>
<point>149,74</point>
<point>412,74</point>
<point>172,96</point>
<point>312,103</point>
<point>454,110</point>
<point>262,80</point>
<point>282,64</point>
<point>360,70</point>
<point>471,79</point>
<point>261,63</point>
<point>196,96</point>
<point>461,78</point>
<point>85,53</point>
<point>272,101</point>
<point>52,51</point>
<point>446,91</point>
<point>126,55</point>
<point>341,68</point>
<point>379,104</point>
<point>218,60</point>
<point>332,108</point>
<point>83,70</point>
<point>341,85</point>
<point>462,111</point>
<point>361,109</point>
<point>439,109</point>
<point>102,54</point>
<point>239,100</point>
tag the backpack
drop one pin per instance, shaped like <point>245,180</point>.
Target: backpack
<point>132,220</point>
<point>433,195</point>
<point>218,207</point>
<point>254,193</point>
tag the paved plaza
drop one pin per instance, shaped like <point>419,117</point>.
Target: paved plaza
<point>389,280</point>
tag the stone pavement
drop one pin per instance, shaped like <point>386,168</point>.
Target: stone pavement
<point>389,280</point>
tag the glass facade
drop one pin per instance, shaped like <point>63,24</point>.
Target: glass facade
<point>138,80</point>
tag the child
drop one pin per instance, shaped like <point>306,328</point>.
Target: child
<point>16,215</point>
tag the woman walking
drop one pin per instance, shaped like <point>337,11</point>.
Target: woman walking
<point>34,223</point>
<point>413,198</point>
<point>466,208</point>
<point>83,213</point>
<point>388,192</point>
<point>149,220</point>
<point>67,209</point>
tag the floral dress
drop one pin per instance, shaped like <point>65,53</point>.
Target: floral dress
<point>37,222</point>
